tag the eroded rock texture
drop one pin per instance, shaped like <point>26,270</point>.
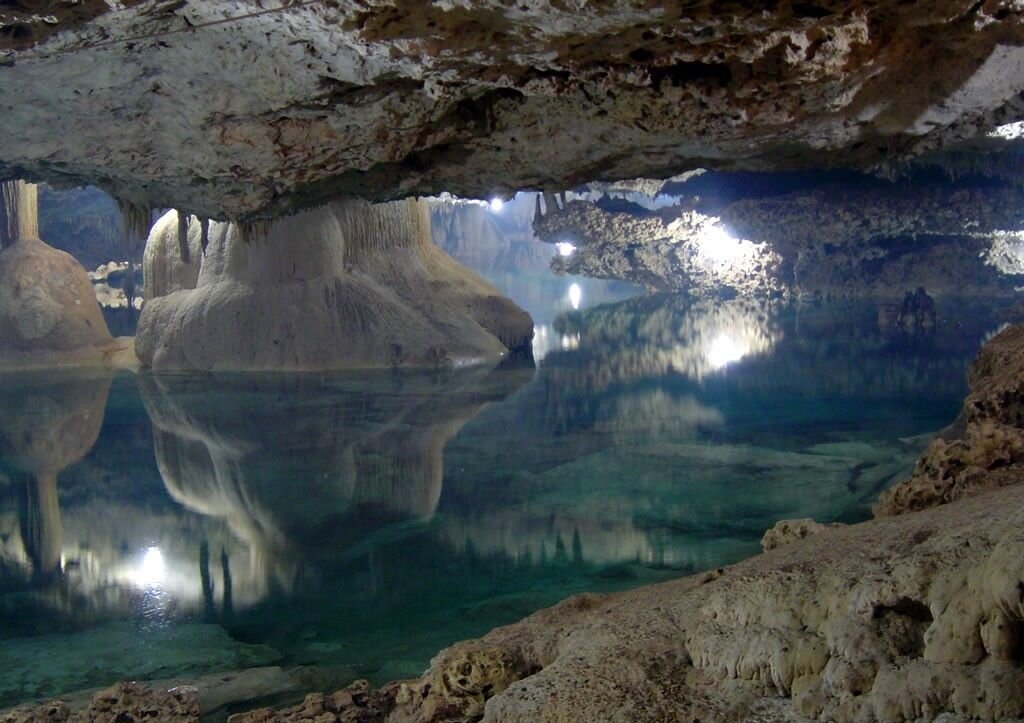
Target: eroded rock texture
<point>834,235</point>
<point>346,285</point>
<point>224,109</point>
<point>984,448</point>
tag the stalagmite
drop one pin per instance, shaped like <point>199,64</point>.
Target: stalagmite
<point>48,309</point>
<point>550,202</point>
<point>171,261</point>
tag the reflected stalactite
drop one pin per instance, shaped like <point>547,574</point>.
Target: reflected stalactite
<point>41,529</point>
<point>46,427</point>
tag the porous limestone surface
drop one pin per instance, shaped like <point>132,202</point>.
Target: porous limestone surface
<point>984,448</point>
<point>48,310</point>
<point>347,285</point>
<point>227,109</point>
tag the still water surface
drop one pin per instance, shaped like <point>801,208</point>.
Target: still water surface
<point>354,524</point>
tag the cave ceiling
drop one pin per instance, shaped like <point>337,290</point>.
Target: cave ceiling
<point>244,109</point>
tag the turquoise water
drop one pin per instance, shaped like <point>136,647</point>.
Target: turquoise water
<point>351,525</point>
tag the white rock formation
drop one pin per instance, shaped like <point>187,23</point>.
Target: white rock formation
<point>346,285</point>
<point>164,271</point>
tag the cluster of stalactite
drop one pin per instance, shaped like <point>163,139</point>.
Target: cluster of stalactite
<point>19,217</point>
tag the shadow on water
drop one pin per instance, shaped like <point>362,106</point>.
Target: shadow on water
<point>178,525</point>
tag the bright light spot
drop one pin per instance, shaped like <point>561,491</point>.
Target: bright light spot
<point>1010,131</point>
<point>152,570</point>
<point>570,343</point>
<point>718,245</point>
<point>497,204</point>
<point>724,351</point>
<point>565,248</point>
<point>575,295</point>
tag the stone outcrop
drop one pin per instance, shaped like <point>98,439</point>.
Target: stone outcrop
<point>121,703</point>
<point>389,98</point>
<point>984,448</point>
<point>787,531</point>
<point>346,285</point>
<point>837,235</point>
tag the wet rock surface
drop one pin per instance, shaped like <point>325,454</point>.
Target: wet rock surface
<point>984,448</point>
<point>381,99</point>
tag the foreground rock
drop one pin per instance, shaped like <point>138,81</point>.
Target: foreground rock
<point>383,98</point>
<point>347,285</point>
<point>121,703</point>
<point>984,448</point>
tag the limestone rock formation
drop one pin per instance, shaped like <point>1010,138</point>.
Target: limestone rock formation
<point>48,310</point>
<point>384,98</point>
<point>787,531</point>
<point>347,285</point>
<point>832,235</point>
<point>121,703</point>
<point>164,271</point>
<point>984,448</point>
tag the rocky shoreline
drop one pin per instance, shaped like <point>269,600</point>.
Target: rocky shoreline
<point>911,615</point>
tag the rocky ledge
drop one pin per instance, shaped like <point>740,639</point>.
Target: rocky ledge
<point>900,618</point>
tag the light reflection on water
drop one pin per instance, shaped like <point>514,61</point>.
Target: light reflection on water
<point>358,522</point>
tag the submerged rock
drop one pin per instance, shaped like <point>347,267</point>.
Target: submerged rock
<point>347,285</point>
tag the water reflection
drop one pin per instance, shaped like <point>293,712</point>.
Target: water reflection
<point>45,428</point>
<point>359,522</point>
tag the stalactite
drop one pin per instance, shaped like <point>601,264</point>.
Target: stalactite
<point>550,203</point>
<point>561,199</point>
<point>19,212</point>
<point>183,222</point>
<point>204,233</point>
<point>136,219</point>
<point>253,231</point>
<point>538,213</point>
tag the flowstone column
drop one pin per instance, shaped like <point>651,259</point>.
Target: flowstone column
<point>48,309</point>
<point>347,285</point>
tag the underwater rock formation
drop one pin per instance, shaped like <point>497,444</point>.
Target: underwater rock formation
<point>984,448</point>
<point>49,315</point>
<point>346,285</point>
<point>393,98</point>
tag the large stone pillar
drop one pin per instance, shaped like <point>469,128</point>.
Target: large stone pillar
<point>347,285</point>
